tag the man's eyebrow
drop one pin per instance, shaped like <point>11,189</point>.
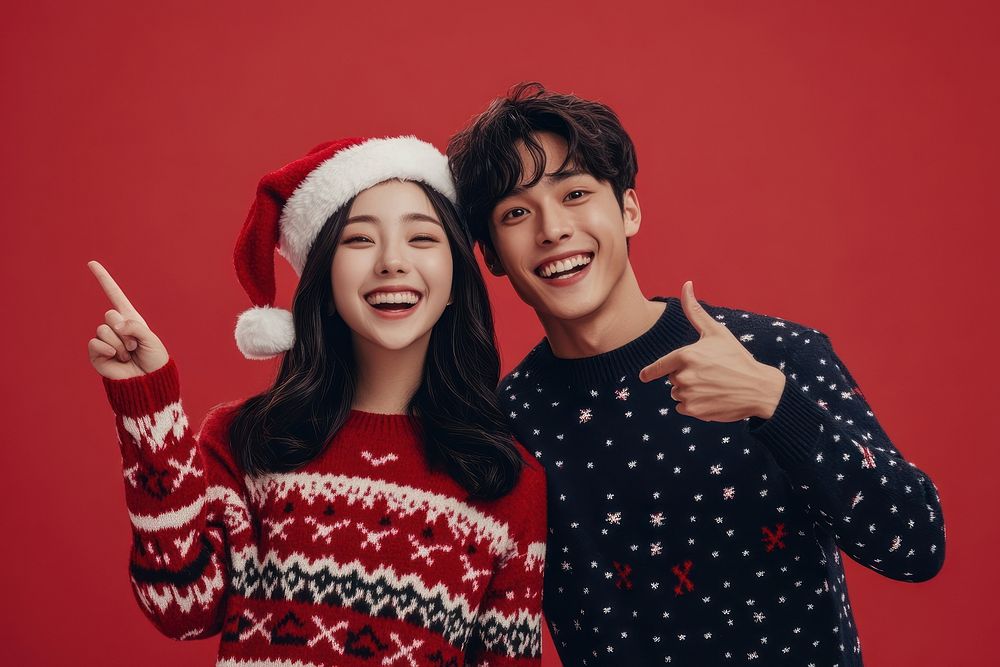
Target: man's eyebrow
<point>554,177</point>
<point>407,217</point>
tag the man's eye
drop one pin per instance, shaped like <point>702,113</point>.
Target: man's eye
<point>515,213</point>
<point>576,194</point>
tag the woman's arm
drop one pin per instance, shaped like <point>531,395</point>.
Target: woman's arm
<point>185,502</point>
<point>183,492</point>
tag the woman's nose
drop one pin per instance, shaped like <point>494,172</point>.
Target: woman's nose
<point>392,263</point>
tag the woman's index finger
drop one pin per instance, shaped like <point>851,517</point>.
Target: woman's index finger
<point>112,290</point>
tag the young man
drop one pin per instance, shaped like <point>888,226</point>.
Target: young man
<point>705,465</point>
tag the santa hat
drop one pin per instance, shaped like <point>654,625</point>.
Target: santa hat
<point>292,205</point>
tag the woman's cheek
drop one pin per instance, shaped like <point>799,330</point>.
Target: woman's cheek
<point>439,276</point>
<point>442,269</point>
<point>346,276</point>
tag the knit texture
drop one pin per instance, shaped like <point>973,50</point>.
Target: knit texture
<point>678,541</point>
<point>365,556</point>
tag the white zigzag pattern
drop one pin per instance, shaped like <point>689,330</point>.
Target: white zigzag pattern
<point>237,514</point>
<point>247,558</point>
<point>380,461</point>
<point>462,519</point>
<point>529,642</point>
<point>203,591</point>
<point>153,429</point>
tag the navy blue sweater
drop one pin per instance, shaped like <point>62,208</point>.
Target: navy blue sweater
<point>677,541</point>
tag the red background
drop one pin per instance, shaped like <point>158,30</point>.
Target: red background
<point>830,163</point>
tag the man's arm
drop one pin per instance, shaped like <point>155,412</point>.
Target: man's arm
<point>883,511</point>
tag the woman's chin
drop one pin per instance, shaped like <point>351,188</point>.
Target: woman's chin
<point>395,341</point>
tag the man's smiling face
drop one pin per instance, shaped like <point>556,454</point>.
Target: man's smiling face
<point>561,241</point>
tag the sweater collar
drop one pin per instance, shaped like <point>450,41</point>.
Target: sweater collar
<point>670,331</point>
<point>381,426</point>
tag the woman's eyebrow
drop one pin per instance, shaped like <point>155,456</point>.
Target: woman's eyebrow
<point>421,217</point>
<point>407,217</point>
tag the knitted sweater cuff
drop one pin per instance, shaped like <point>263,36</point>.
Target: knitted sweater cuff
<point>143,395</point>
<point>792,432</point>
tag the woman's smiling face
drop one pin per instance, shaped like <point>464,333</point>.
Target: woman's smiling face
<point>391,271</point>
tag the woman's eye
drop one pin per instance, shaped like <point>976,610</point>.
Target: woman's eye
<point>424,238</point>
<point>575,194</point>
<point>358,239</point>
<point>515,213</point>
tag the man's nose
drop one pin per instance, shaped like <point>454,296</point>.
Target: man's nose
<point>554,226</point>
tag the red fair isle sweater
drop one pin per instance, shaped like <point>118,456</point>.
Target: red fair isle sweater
<point>365,556</point>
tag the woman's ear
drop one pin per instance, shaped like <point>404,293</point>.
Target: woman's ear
<point>492,260</point>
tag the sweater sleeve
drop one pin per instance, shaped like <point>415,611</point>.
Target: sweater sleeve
<point>508,627</point>
<point>884,512</point>
<point>184,500</point>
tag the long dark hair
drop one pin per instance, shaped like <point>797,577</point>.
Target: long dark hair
<point>455,407</point>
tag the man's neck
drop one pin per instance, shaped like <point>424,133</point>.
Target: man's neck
<point>624,316</point>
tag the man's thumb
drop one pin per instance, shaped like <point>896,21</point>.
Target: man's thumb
<point>696,315</point>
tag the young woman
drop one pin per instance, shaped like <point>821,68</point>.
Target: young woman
<point>370,507</point>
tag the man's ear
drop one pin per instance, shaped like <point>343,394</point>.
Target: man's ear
<point>492,260</point>
<point>631,213</point>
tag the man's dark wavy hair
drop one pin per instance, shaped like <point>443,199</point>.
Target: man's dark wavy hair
<point>484,159</point>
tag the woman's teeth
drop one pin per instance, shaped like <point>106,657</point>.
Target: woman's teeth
<point>393,299</point>
<point>564,266</point>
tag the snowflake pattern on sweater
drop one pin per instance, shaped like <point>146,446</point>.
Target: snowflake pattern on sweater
<point>677,541</point>
<point>364,556</point>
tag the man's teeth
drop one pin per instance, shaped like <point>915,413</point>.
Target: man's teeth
<point>377,298</point>
<point>564,265</point>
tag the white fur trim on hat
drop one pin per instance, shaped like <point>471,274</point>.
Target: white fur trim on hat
<point>352,170</point>
<point>263,332</point>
